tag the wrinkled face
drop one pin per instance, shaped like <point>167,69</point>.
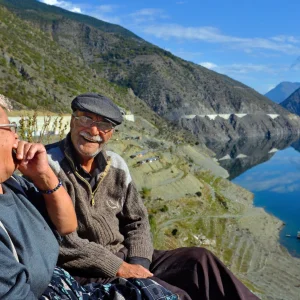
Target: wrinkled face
<point>88,141</point>
<point>8,142</point>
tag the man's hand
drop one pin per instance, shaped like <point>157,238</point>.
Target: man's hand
<point>33,163</point>
<point>32,159</point>
<point>133,271</point>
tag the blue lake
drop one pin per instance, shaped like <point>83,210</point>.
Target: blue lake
<point>276,186</point>
<point>271,170</point>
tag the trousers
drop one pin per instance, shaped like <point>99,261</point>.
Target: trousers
<point>193,273</point>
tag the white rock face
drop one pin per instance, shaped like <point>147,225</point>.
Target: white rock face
<point>225,116</point>
<point>129,118</point>
<point>273,116</point>
<point>241,115</point>
<point>225,157</point>
<point>211,117</point>
<point>273,150</point>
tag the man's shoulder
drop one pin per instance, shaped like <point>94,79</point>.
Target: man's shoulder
<point>54,151</point>
<point>52,146</point>
<point>116,160</point>
<point>55,155</point>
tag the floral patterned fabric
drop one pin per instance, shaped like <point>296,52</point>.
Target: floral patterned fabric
<point>64,286</point>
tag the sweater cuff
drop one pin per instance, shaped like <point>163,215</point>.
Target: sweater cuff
<point>112,266</point>
<point>145,262</point>
<point>108,263</point>
<point>141,251</point>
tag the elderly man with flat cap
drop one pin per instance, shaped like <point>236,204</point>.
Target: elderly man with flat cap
<point>113,236</point>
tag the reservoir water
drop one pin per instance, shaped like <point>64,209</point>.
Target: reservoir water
<point>271,170</point>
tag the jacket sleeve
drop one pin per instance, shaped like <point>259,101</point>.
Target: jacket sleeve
<point>88,258</point>
<point>13,276</point>
<point>134,225</point>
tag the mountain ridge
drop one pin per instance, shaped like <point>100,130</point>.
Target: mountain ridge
<point>170,86</point>
<point>282,91</point>
<point>292,103</point>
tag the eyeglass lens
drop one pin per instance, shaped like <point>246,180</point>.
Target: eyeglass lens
<point>85,121</point>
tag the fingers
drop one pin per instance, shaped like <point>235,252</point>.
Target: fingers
<point>133,271</point>
<point>144,272</point>
<point>27,151</point>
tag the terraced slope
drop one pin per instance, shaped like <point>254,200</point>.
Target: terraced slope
<point>189,206</point>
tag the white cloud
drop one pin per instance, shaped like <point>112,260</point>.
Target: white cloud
<point>101,12</point>
<point>106,13</point>
<point>213,35</point>
<point>187,55</point>
<point>148,15</point>
<point>208,65</point>
<point>63,4</point>
<point>106,8</point>
<point>270,87</point>
<point>239,68</point>
<point>147,12</point>
<point>285,38</point>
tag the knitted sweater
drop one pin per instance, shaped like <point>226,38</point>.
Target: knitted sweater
<point>110,217</point>
<point>36,246</point>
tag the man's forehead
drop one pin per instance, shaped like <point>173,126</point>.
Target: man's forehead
<point>3,115</point>
<point>91,115</point>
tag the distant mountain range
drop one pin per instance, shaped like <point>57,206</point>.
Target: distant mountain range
<point>282,91</point>
<point>292,103</point>
<point>48,55</point>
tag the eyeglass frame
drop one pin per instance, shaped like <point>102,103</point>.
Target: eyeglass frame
<point>10,126</point>
<point>94,123</point>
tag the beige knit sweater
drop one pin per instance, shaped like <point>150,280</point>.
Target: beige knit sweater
<point>111,217</point>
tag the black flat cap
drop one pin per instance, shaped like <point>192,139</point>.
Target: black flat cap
<point>99,105</point>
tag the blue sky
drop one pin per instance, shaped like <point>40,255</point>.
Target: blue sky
<point>255,42</point>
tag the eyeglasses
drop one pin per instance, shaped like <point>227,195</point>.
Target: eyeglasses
<point>88,122</point>
<point>12,126</point>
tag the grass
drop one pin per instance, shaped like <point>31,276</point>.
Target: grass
<point>28,127</point>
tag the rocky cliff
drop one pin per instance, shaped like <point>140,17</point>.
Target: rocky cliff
<point>234,127</point>
<point>190,206</point>
<point>170,86</point>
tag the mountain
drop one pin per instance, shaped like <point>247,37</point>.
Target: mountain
<point>48,55</point>
<point>292,103</point>
<point>282,91</point>
<point>87,51</point>
<point>37,74</point>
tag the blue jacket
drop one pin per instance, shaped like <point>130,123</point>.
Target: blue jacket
<point>36,245</point>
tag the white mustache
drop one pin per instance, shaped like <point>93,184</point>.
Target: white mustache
<point>94,138</point>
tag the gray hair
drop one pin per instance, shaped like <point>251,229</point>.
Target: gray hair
<point>5,103</point>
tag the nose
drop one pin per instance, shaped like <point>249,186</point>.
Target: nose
<point>94,130</point>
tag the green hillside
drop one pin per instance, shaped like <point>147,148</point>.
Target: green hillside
<point>36,73</point>
<point>171,86</point>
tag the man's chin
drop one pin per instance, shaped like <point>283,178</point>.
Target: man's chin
<point>90,154</point>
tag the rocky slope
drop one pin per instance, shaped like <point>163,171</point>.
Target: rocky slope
<point>190,206</point>
<point>250,126</point>
<point>170,86</point>
<point>187,205</point>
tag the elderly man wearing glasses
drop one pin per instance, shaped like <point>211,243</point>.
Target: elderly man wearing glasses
<point>113,236</point>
